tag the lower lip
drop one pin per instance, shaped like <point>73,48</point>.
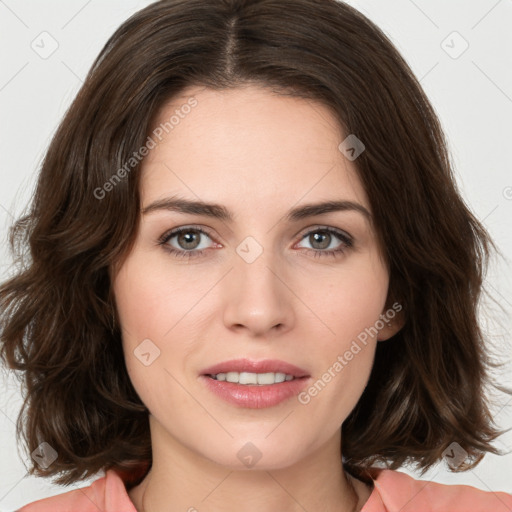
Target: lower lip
<point>255,396</point>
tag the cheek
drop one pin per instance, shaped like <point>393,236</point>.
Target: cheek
<point>350,307</point>
<point>145,306</point>
<point>138,304</point>
<point>144,354</point>
<point>352,300</point>
<point>151,311</point>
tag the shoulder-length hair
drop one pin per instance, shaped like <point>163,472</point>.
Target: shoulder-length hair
<point>58,316</point>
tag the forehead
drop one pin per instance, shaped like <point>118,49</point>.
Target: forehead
<point>248,146</point>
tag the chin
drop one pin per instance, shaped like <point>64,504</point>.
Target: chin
<point>255,454</point>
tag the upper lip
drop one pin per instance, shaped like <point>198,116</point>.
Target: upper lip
<point>251,366</point>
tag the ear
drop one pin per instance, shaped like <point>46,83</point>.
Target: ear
<point>393,319</point>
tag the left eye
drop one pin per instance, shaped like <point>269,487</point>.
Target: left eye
<point>189,241</point>
<point>324,237</point>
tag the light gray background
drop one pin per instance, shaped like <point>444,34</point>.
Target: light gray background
<point>471,92</point>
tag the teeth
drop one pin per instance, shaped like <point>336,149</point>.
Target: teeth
<point>261,379</point>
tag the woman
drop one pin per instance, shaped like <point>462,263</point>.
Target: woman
<point>252,277</point>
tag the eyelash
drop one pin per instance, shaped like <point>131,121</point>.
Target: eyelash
<point>347,242</point>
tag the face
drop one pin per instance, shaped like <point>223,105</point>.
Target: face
<point>257,284</point>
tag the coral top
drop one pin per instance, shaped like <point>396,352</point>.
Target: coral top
<point>393,492</point>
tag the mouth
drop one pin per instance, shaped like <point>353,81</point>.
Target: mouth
<point>255,384</point>
<point>255,373</point>
<point>254,379</point>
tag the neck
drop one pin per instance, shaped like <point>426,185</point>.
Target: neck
<point>180,479</point>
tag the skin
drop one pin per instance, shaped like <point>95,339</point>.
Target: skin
<point>259,155</point>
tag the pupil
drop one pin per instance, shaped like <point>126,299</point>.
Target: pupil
<point>325,236</point>
<point>188,238</point>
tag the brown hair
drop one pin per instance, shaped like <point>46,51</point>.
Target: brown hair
<point>427,386</point>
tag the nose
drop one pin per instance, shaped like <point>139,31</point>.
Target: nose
<point>258,297</point>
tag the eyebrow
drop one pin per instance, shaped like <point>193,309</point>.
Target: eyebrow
<point>220,212</point>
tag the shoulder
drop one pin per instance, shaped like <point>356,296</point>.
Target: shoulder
<point>395,490</point>
<point>107,494</point>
